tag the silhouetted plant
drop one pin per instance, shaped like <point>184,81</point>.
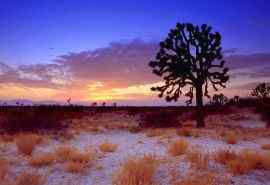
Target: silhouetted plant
<point>262,91</point>
<point>103,104</point>
<point>190,57</point>
<point>219,99</point>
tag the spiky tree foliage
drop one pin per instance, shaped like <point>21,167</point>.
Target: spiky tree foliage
<point>219,99</point>
<point>190,57</point>
<point>262,91</point>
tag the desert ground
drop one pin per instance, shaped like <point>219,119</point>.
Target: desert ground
<point>111,148</point>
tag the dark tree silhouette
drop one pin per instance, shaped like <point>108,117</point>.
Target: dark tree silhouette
<point>190,57</point>
<point>262,91</point>
<point>219,99</point>
<point>103,104</point>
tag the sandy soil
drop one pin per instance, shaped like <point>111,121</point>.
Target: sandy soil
<point>130,144</point>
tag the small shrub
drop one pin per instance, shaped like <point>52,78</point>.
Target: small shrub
<point>3,168</point>
<point>159,118</point>
<point>197,159</point>
<point>198,179</point>
<point>244,161</point>
<point>75,167</point>
<point>154,133</point>
<point>7,138</point>
<point>231,137</point>
<point>265,146</point>
<point>184,132</point>
<point>136,171</point>
<point>178,148</point>
<point>29,179</point>
<point>42,160</point>
<point>75,160</point>
<point>26,143</point>
<point>223,156</point>
<point>65,153</point>
<point>107,147</point>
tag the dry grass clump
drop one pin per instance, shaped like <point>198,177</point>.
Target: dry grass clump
<point>7,138</point>
<point>197,159</point>
<point>265,146</point>
<point>136,171</point>
<point>29,179</point>
<point>244,161</point>
<point>42,160</point>
<point>3,168</point>
<point>154,132</point>
<point>75,160</point>
<point>197,179</point>
<point>184,132</point>
<point>107,147</point>
<point>231,137</point>
<point>178,148</point>
<point>74,167</point>
<point>26,142</point>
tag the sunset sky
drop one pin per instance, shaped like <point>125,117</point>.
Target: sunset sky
<point>97,50</point>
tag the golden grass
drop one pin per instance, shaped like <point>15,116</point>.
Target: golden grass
<point>231,137</point>
<point>75,160</point>
<point>26,143</point>
<point>107,147</point>
<point>197,159</point>
<point>3,168</point>
<point>29,179</point>
<point>265,146</point>
<point>184,132</point>
<point>74,167</point>
<point>154,132</point>
<point>198,179</point>
<point>7,137</point>
<point>136,171</point>
<point>244,161</point>
<point>42,160</point>
<point>178,148</point>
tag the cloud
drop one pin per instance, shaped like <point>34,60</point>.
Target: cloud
<point>120,63</point>
<point>117,72</point>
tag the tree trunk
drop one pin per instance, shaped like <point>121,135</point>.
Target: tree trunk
<point>199,109</point>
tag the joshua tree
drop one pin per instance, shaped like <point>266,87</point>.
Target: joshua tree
<point>262,91</point>
<point>103,104</point>
<point>219,99</point>
<point>190,57</point>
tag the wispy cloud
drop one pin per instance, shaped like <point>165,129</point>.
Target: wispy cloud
<point>117,72</point>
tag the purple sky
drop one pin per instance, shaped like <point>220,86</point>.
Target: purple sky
<point>95,50</point>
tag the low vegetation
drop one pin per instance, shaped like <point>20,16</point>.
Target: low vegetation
<point>244,161</point>
<point>73,159</point>
<point>26,178</point>
<point>160,118</point>
<point>137,171</point>
<point>26,143</point>
<point>265,146</point>
<point>107,147</point>
<point>231,137</point>
<point>184,132</point>
<point>3,168</point>
<point>178,148</point>
<point>44,159</point>
<point>197,159</point>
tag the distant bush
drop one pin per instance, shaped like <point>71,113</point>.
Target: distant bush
<point>16,119</point>
<point>264,110</point>
<point>159,118</point>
